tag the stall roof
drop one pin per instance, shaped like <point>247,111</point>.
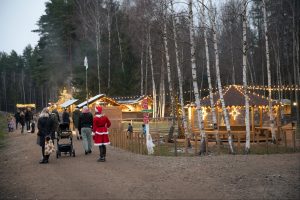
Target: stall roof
<point>91,100</point>
<point>132,100</point>
<point>234,96</point>
<point>68,103</point>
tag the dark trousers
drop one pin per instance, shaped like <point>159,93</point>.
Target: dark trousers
<point>27,125</point>
<point>17,122</point>
<point>102,149</point>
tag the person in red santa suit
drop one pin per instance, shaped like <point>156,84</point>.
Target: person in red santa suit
<point>101,124</point>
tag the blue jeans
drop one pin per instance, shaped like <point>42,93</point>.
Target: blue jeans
<point>86,134</point>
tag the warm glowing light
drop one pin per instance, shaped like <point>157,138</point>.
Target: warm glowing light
<point>234,113</point>
<point>204,113</point>
<point>295,104</point>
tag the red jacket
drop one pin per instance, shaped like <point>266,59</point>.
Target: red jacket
<point>100,125</point>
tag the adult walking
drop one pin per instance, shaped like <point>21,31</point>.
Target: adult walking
<point>17,118</point>
<point>75,118</point>
<point>66,118</point>
<point>22,121</point>
<point>101,123</point>
<point>28,118</point>
<point>85,123</point>
<point>44,131</point>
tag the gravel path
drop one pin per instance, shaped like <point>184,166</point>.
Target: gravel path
<point>129,176</point>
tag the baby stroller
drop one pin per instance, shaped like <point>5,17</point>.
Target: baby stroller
<point>64,133</point>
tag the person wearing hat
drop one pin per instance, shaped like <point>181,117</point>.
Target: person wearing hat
<point>101,123</point>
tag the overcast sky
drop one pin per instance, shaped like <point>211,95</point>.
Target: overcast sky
<point>17,19</point>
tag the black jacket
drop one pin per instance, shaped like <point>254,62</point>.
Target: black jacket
<point>44,124</point>
<point>85,121</point>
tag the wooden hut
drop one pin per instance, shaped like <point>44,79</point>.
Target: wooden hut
<point>132,106</point>
<point>235,104</point>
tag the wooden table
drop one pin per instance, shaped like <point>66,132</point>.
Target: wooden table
<point>264,131</point>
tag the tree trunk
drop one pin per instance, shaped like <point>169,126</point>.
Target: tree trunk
<point>153,79</point>
<point>168,71</point>
<point>245,85</point>
<point>180,79</point>
<point>162,90</point>
<point>194,77</point>
<point>212,104</point>
<point>268,71</point>
<point>213,23</point>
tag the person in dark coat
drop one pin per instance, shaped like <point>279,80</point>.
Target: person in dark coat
<point>44,131</point>
<point>28,118</point>
<point>66,118</point>
<point>22,120</point>
<point>57,115</point>
<point>75,118</point>
<point>54,123</point>
<point>85,124</point>
<point>17,118</point>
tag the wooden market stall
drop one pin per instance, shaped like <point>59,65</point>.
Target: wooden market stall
<point>132,106</point>
<point>235,104</point>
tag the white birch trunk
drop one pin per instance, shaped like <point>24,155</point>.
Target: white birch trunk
<point>162,91</point>
<point>180,79</point>
<point>212,105</point>
<point>247,115</point>
<point>225,113</point>
<point>168,70</point>
<point>268,71</point>
<point>152,73</point>
<point>194,77</point>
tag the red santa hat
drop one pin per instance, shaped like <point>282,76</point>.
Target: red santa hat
<point>98,109</point>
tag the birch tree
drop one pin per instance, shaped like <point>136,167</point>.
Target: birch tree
<point>268,70</point>
<point>165,8</point>
<point>212,105</point>
<point>245,85</point>
<point>152,75</point>
<point>180,80</point>
<point>212,17</point>
<point>194,77</point>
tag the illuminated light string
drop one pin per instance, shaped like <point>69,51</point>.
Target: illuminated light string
<point>250,87</point>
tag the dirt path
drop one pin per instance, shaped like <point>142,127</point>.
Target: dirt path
<point>129,176</point>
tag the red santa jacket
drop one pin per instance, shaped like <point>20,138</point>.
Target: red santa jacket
<point>100,125</point>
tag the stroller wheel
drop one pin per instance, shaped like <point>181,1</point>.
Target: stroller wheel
<point>73,152</point>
